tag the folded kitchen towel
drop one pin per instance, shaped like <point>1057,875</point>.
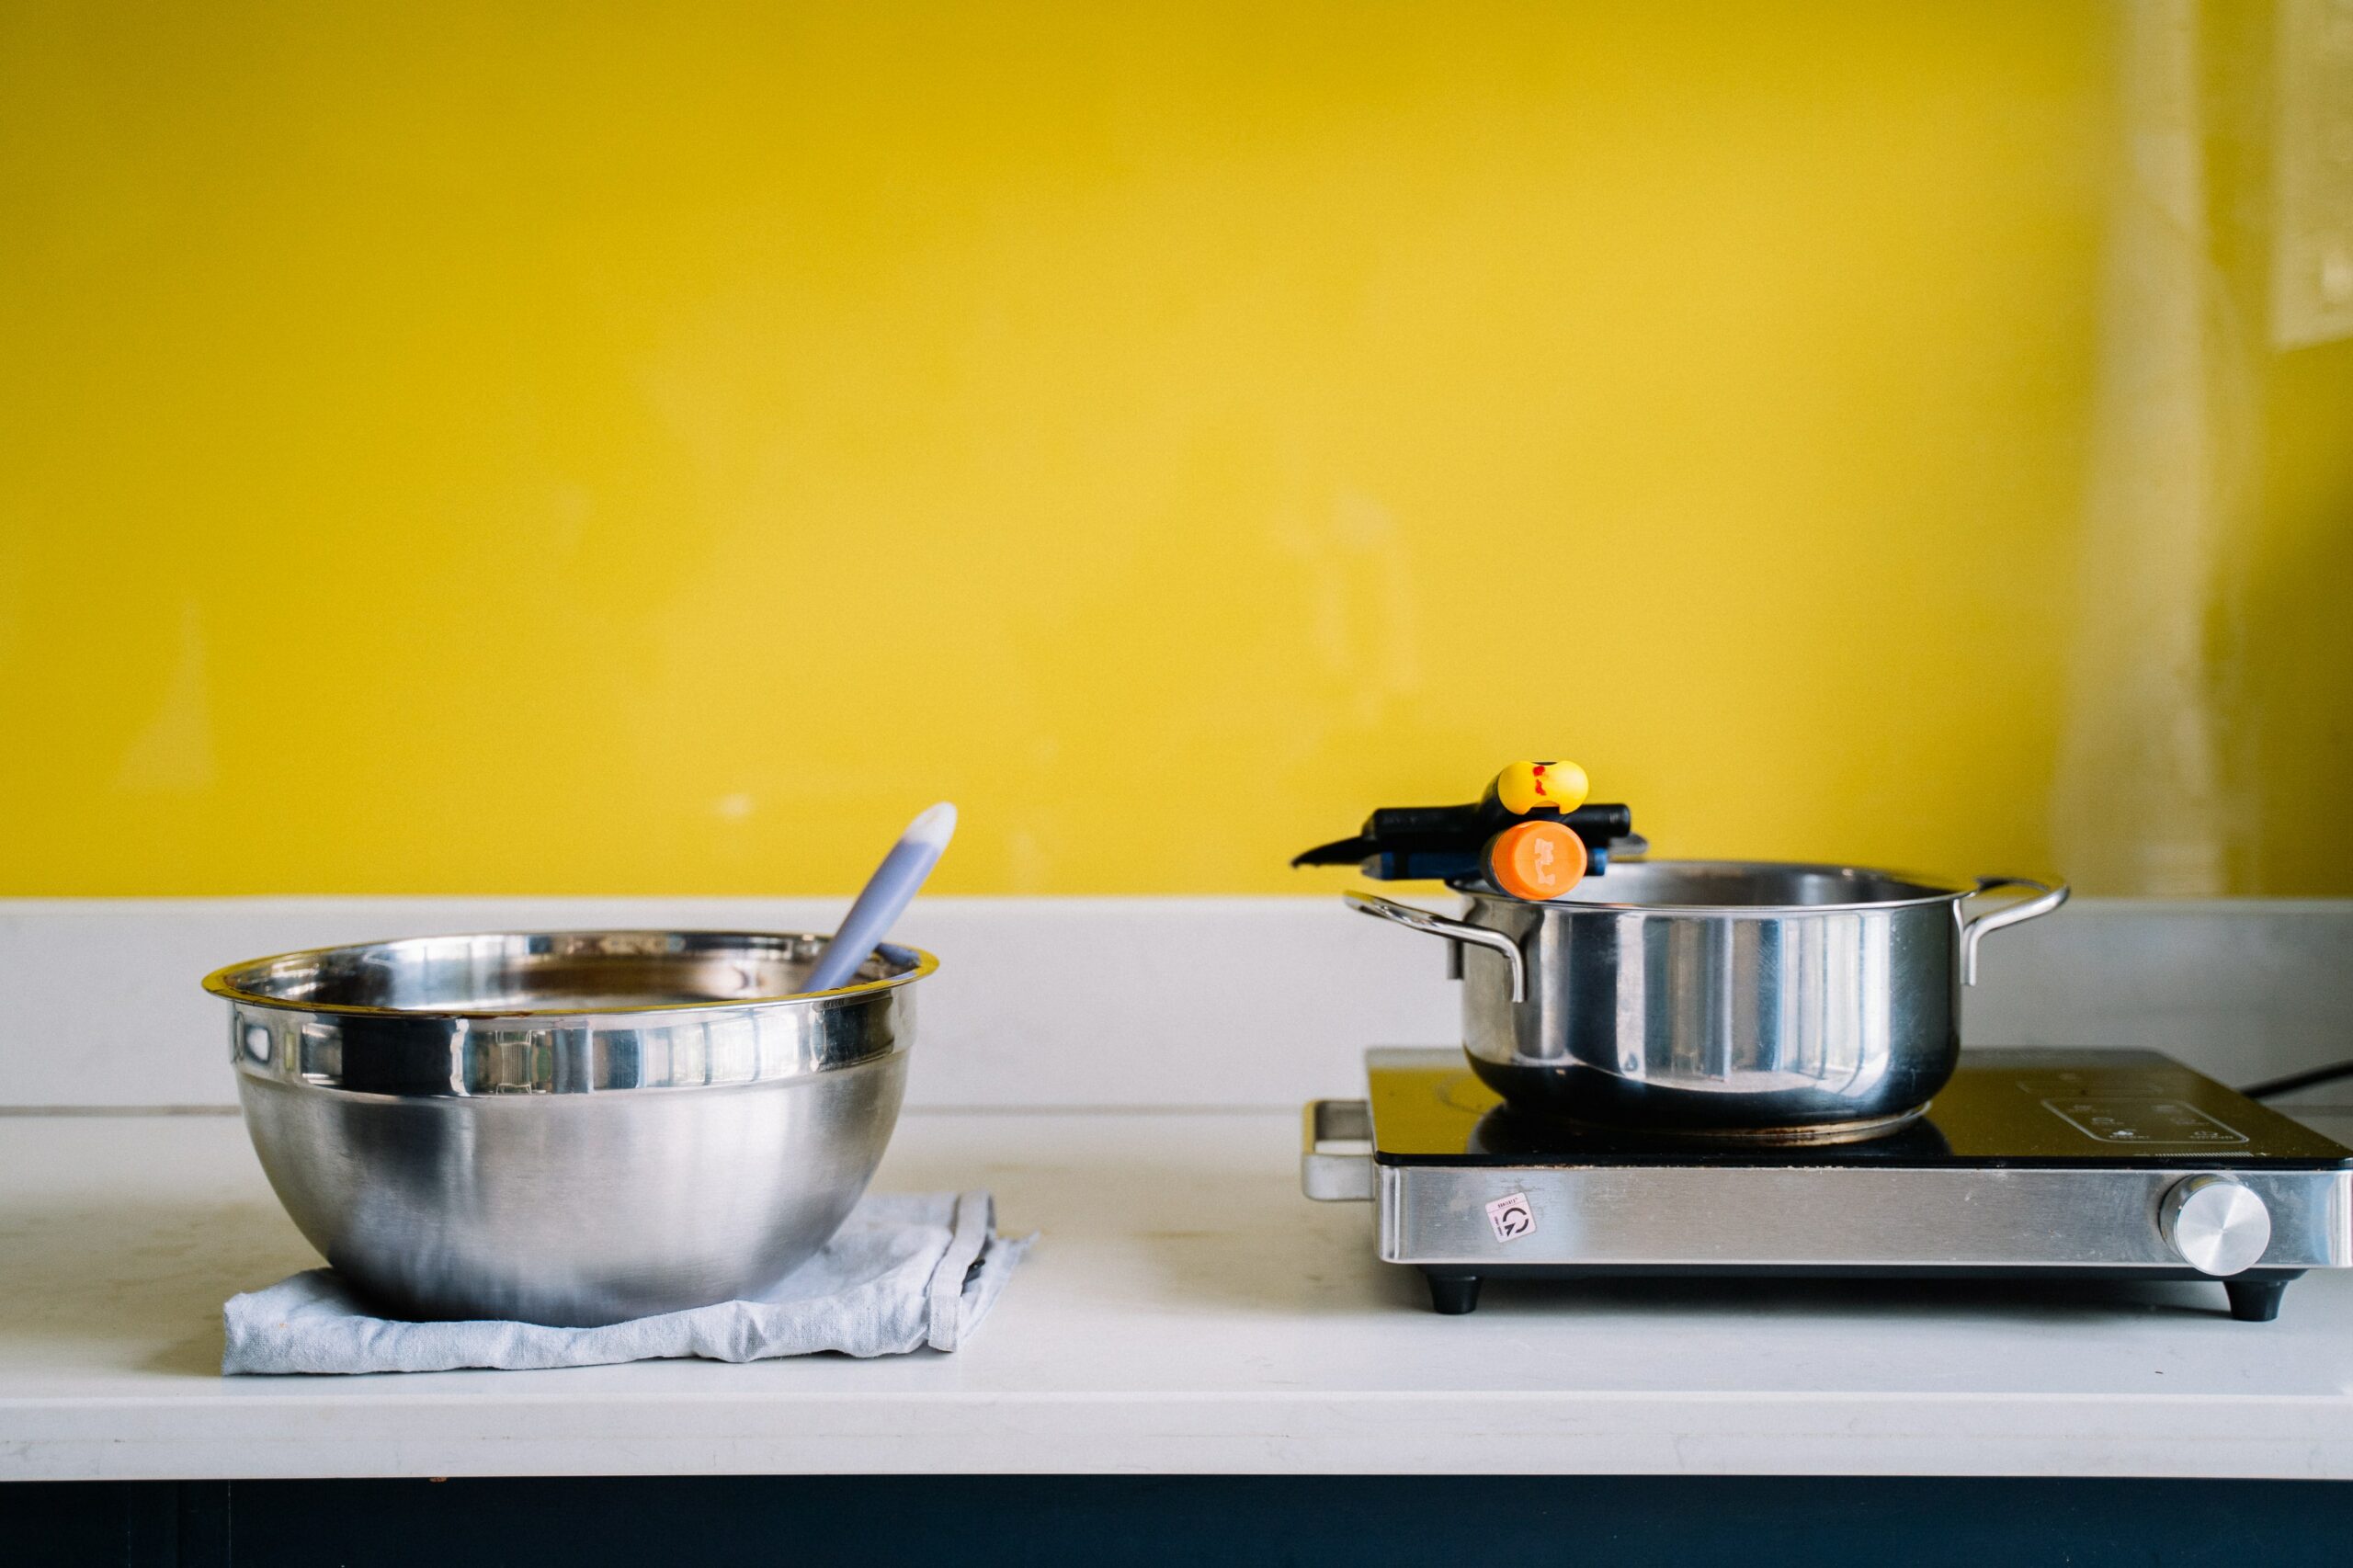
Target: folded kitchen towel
<point>904,1272</point>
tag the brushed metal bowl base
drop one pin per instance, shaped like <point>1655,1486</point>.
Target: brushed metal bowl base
<point>574,1210</point>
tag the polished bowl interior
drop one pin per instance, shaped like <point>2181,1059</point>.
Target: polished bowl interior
<point>569,1127</point>
<point>562,972</point>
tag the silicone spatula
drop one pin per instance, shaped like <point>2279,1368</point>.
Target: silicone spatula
<point>884,898</point>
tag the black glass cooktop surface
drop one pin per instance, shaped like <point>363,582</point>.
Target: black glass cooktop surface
<point>2003,1107</point>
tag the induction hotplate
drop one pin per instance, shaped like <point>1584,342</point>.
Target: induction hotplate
<point>2041,1163</point>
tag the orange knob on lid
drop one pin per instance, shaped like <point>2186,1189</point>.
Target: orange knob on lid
<point>1536,860</point>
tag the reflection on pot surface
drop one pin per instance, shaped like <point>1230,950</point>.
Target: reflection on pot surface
<point>1721,996</point>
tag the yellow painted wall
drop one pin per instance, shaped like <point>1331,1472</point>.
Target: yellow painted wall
<point>505,448</point>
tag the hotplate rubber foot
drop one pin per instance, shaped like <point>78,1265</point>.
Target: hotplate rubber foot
<point>1454,1294</point>
<point>2252,1301</point>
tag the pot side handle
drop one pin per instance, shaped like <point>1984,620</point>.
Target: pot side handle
<point>1424,921</point>
<point>2047,897</point>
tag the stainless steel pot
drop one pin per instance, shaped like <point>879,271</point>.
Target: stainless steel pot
<point>568,1127</point>
<point>1774,1001</point>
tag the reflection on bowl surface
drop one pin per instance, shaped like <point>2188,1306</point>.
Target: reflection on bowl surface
<point>568,1127</point>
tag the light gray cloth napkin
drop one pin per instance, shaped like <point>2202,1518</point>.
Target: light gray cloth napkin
<point>904,1271</point>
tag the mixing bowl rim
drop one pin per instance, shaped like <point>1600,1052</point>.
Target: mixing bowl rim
<point>222,981</point>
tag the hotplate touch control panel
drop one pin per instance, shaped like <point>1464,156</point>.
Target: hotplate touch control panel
<point>2171,1122</point>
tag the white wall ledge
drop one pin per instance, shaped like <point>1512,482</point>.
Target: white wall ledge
<point>1139,1002</point>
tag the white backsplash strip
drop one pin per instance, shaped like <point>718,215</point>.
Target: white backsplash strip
<point>1138,1002</point>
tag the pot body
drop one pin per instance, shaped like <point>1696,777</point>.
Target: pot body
<point>1770,1000</point>
<point>568,1128</point>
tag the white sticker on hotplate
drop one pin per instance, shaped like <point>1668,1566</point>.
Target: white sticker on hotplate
<point>1512,1218</point>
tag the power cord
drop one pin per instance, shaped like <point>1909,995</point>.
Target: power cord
<point>2295,1081</point>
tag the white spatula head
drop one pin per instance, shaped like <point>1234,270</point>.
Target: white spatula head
<point>884,898</point>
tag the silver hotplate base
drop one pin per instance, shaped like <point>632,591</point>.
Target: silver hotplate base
<point>2200,1212</point>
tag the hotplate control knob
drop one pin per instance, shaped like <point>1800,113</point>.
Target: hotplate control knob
<point>2214,1224</point>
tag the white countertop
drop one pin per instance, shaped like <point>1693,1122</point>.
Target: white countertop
<point>1187,1312</point>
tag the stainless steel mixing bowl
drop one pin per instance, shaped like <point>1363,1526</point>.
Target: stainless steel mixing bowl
<point>568,1127</point>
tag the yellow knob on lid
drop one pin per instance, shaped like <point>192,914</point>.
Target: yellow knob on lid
<point>1523,786</point>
